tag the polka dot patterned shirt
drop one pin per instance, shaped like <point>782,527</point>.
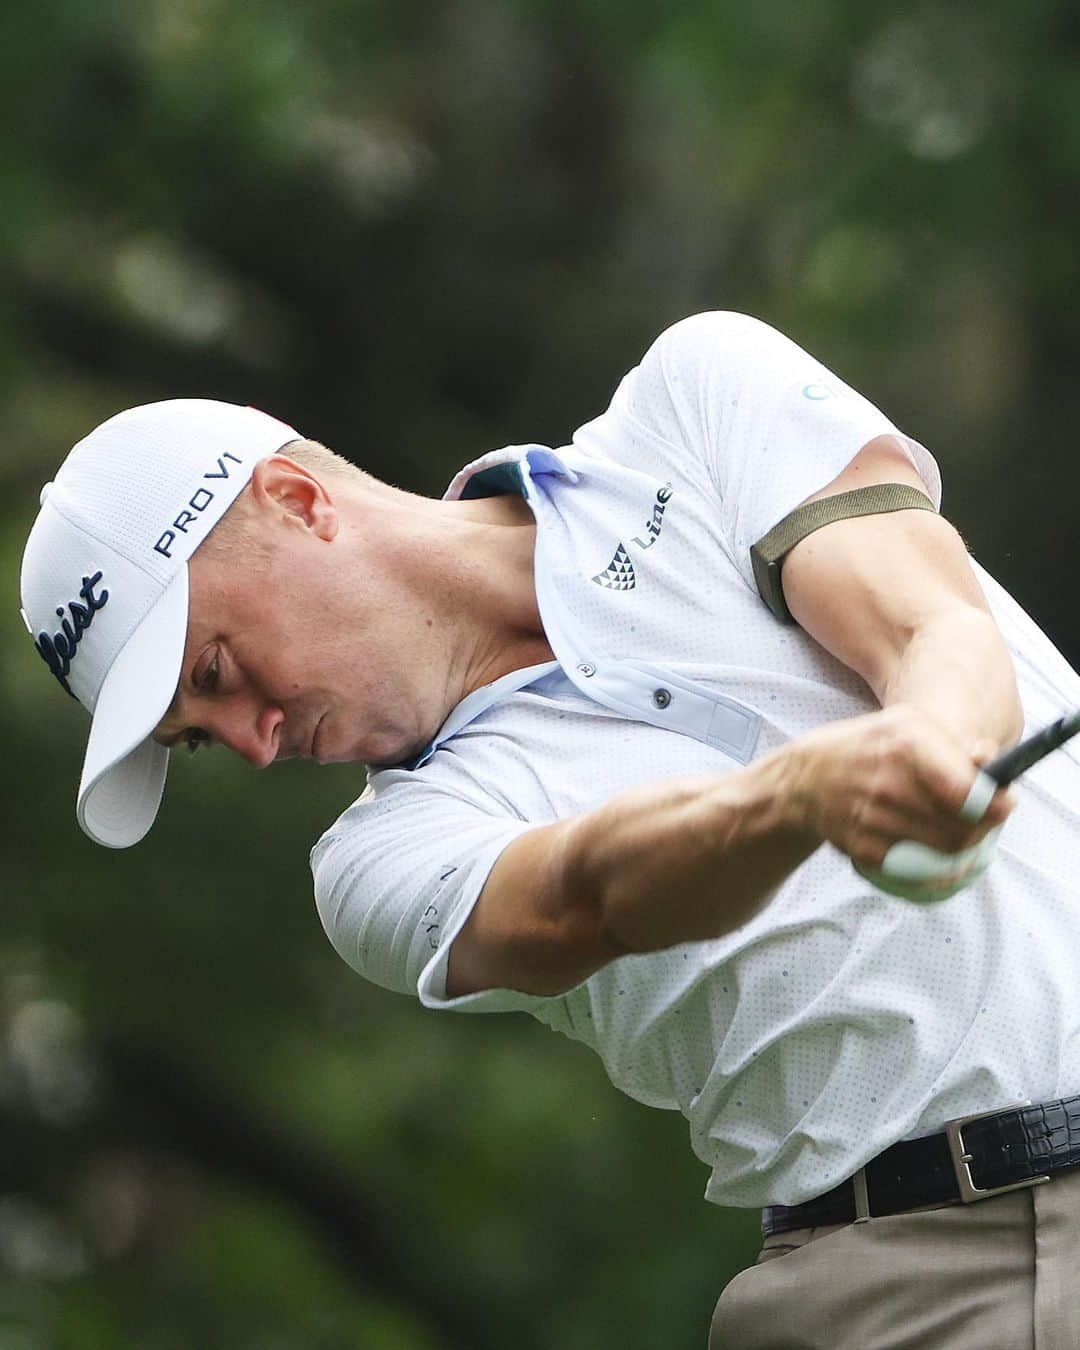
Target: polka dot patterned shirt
<point>840,1019</point>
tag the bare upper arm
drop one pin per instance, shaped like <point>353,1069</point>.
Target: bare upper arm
<point>862,586</point>
<point>531,928</point>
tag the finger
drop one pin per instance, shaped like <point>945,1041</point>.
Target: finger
<point>942,779</point>
<point>950,790</point>
<point>1000,808</point>
<point>883,823</point>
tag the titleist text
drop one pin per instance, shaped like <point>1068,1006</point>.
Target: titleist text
<point>58,649</point>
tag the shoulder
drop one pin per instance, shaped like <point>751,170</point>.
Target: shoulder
<point>673,407</point>
<point>698,340</point>
<point>396,866</point>
<point>689,376</point>
<point>398,811</point>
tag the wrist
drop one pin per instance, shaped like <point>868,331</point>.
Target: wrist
<point>789,778</point>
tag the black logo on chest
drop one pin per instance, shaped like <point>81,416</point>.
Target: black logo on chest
<point>619,575</point>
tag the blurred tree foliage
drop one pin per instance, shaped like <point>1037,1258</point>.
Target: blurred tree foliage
<point>418,230</point>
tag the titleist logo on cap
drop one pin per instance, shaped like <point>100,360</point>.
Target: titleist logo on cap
<point>58,650</point>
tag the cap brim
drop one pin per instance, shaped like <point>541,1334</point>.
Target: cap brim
<point>123,774</point>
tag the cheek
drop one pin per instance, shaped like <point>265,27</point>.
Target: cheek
<point>295,656</point>
<point>307,668</point>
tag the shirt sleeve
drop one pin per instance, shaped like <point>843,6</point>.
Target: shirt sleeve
<point>769,423</point>
<point>397,876</point>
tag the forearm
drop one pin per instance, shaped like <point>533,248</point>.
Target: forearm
<point>691,859</point>
<point>695,858</point>
<point>957,668</point>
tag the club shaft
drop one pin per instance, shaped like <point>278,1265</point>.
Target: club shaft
<point>1020,758</point>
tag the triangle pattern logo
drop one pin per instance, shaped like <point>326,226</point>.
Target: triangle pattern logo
<point>619,573</point>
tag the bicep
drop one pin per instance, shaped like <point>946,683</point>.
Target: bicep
<point>863,586</point>
<point>532,928</point>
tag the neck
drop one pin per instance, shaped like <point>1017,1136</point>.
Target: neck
<point>460,576</point>
<point>500,629</point>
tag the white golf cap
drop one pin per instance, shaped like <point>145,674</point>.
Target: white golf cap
<point>105,582</point>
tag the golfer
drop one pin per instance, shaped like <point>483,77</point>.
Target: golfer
<point>631,710</point>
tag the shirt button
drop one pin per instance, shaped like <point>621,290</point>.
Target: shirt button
<point>587,669</point>
<point>661,697</point>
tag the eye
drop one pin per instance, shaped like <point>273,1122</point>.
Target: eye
<point>194,737</point>
<point>205,677</point>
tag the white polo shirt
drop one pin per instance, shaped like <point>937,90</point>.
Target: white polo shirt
<point>840,1019</point>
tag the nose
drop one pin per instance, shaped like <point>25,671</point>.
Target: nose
<point>248,729</point>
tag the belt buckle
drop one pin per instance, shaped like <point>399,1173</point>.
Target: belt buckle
<point>961,1160</point>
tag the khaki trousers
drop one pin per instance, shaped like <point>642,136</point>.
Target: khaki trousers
<point>1001,1274</point>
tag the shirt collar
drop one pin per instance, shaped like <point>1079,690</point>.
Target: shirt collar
<point>508,470</point>
<point>472,705</point>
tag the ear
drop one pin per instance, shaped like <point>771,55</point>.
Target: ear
<point>294,494</point>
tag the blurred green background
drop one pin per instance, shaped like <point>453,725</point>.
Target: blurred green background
<point>418,231</point>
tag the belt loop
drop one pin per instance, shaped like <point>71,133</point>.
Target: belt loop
<point>862,1199</point>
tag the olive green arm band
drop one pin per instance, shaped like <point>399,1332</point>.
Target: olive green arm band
<point>767,555</point>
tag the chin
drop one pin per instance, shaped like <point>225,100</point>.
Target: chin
<point>385,752</point>
<point>380,751</point>
<point>328,754</point>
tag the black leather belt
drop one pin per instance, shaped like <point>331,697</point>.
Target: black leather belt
<point>974,1158</point>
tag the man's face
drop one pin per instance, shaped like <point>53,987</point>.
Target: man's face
<point>281,659</point>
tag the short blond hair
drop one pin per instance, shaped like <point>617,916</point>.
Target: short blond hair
<point>320,459</point>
